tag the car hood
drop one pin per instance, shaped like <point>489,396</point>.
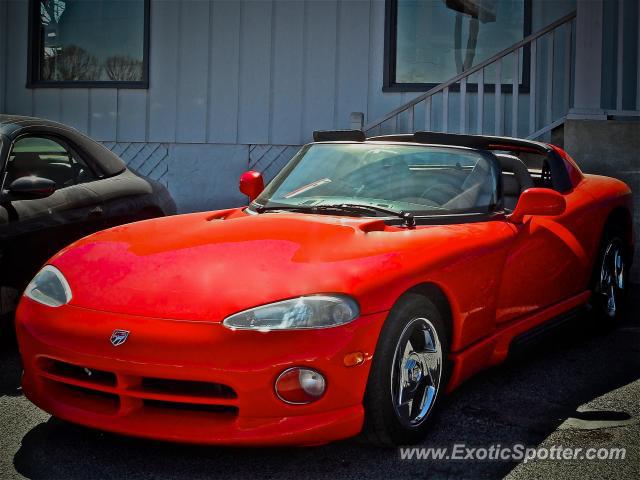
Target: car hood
<point>207,266</point>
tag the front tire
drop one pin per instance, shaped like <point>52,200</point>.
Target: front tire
<point>408,372</point>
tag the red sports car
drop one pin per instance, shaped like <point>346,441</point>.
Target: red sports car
<point>367,279</point>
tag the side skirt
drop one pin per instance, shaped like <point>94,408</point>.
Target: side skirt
<point>525,341</point>
<point>495,348</point>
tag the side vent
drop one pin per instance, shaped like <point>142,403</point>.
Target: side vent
<point>373,226</point>
<point>221,215</point>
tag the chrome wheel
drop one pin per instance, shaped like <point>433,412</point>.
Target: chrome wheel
<point>612,277</point>
<point>416,372</point>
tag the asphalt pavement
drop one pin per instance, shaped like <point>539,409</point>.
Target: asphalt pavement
<point>578,388</point>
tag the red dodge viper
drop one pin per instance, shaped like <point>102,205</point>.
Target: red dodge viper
<point>370,277</point>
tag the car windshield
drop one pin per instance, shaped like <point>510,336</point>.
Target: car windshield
<point>422,180</point>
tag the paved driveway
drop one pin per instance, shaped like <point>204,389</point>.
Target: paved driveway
<point>575,390</point>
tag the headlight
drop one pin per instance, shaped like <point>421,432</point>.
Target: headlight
<point>49,287</point>
<point>314,311</point>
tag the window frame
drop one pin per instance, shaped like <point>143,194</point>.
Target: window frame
<point>59,139</point>
<point>389,83</point>
<point>33,60</point>
<point>496,209</point>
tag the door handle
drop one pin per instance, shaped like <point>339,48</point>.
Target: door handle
<point>96,212</point>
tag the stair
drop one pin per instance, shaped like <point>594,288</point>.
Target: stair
<point>534,102</point>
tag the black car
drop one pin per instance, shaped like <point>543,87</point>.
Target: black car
<point>58,185</point>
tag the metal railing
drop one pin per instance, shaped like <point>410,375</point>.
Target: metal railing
<point>542,90</point>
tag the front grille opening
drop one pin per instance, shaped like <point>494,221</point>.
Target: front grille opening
<point>68,370</point>
<point>187,388</point>
<point>84,398</point>
<point>191,407</point>
<point>93,393</point>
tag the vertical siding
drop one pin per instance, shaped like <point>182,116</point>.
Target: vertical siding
<point>287,72</point>
<point>163,71</point>
<point>352,70</point>
<point>103,111</point>
<point>74,108</point>
<point>224,64</point>
<point>193,58</point>
<point>256,34</point>
<point>319,67</point>
<point>46,103</point>
<point>3,53</point>
<point>132,116</point>
<point>18,98</point>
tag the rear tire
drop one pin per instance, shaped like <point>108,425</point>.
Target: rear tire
<point>610,278</point>
<point>408,372</point>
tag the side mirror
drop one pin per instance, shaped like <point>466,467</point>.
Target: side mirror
<point>538,201</point>
<point>31,187</point>
<point>251,184</point>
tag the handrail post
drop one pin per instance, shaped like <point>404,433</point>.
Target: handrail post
<point>620,56</point>
<point>515,93</point>
<point>588,62</point>
<point>498,99</point>
<point>480,120</point>
<point>549,81</point>
<point>445,110</point>
<point>533,85</point>
<point>463,105</point>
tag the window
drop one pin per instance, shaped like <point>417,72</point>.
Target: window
<point>89,43</point>
<point>46,158</point>
<point>430,41</point>
<point>417,179</point>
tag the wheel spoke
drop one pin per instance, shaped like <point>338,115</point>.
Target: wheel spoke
<point>416,372</point>
<point>431,363</point>
<point>403,377</point>
<point>419,398</point>
<point>619,270</point>
<point>429,344</point>
<point>404,410</point>
<point>611,301</point>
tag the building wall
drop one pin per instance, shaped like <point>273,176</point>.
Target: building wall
<point>228,77</point>
<point>247,72</point>
<point>3,52</point>
<point>590,143</point>
<point>225,76</point>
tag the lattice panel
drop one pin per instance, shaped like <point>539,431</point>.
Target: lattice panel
<point>269,159</point>
<point>149,159</point>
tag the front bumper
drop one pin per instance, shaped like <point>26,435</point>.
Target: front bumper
<point>190,381</point>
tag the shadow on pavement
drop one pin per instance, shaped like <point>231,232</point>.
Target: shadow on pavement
<point>10,364</point>
<point>522,401</point>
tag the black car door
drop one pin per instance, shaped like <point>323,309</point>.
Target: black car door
<point>32,230</point>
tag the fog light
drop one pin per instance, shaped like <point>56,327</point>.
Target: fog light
<point>299,386</point>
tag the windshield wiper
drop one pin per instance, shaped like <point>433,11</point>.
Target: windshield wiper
<point>407,217</point>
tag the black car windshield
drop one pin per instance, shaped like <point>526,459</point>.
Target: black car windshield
<point>423,180</point>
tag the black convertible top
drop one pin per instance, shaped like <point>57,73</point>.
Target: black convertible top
<point>12,126</point>
<point>482,142</point>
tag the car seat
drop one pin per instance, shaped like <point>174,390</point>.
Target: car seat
<point>515,179</point>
